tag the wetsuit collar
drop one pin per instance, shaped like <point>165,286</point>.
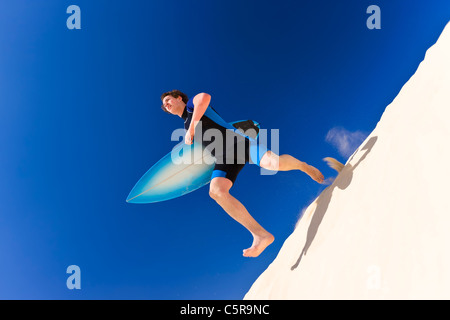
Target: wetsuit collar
<point>184,115</point>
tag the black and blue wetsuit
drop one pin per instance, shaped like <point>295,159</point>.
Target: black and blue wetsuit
<point>228,162</point>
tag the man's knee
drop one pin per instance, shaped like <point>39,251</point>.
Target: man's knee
<point>217,193</point>
<point>219,190</point>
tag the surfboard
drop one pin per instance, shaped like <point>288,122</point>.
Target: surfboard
<point>185,169</point>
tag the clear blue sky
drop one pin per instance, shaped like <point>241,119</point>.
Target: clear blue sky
<point>80,122</point>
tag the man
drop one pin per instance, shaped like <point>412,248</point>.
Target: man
<point>225,173</point>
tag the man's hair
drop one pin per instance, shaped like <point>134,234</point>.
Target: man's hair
<point>175,94</point>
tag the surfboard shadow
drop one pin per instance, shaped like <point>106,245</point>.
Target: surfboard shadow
<point>342,181</point>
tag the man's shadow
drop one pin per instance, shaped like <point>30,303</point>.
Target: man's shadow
<point>342,181</point>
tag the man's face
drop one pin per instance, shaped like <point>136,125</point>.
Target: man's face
<point>173,105</point>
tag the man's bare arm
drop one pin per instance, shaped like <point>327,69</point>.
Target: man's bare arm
<point>201,103</point>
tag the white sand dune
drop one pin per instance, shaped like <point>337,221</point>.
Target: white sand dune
<point>382,229</point>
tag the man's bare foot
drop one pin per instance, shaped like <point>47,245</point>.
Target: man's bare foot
<point>314,173</point>
<point>258,245</point>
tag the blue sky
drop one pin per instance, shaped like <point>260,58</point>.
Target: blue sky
<point>80,122</point>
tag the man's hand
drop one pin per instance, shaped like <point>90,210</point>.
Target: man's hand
<point>188,139</point>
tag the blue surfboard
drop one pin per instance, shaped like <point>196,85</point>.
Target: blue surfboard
<point>185,169</point>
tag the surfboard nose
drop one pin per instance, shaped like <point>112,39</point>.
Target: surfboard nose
<point>129,198</point>
<point>133,196</point>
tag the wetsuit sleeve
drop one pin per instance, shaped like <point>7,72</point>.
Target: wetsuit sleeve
<point>190,105</point>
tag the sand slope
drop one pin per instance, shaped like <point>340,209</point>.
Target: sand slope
<point>382,229</point>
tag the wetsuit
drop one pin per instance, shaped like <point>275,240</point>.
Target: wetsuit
<point>236,150</point>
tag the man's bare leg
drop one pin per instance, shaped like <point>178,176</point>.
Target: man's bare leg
<point>285,162</point>
<point>219,191</point>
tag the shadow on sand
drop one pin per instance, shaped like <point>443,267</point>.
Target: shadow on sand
<point>342,181</point>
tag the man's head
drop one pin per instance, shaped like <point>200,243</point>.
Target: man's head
<point>174,102</point>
